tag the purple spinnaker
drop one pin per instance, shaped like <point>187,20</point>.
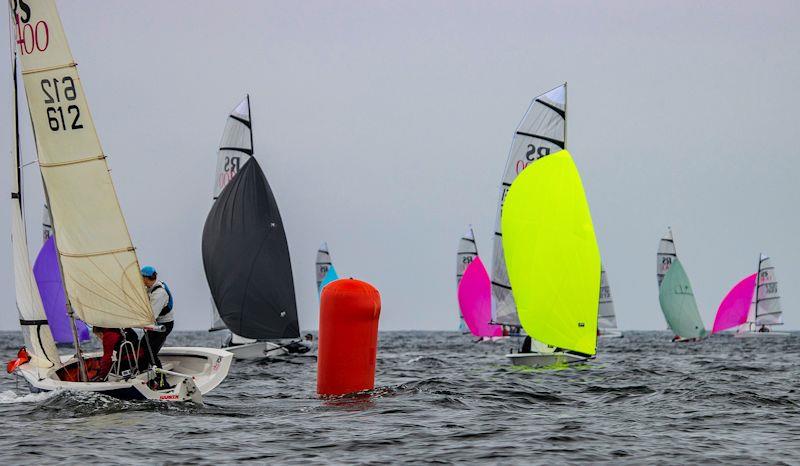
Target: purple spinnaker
<point>733,310</point>
<point>475,300</point>
<point>48,279</point>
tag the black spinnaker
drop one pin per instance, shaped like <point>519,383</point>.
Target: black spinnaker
<point>246,259</point>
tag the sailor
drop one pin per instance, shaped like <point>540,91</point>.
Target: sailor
<point>161,302</point>
<point>301,346</point>
<point>112,339</point>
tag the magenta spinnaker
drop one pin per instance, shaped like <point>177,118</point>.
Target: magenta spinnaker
<point>735,306</point>
<point>475,300</point>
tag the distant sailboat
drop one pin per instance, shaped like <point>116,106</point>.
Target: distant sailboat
<point>466,253</point>
<point>475,301</point>
<point>245,251</point>
<point>606,318</point>
<point>765,311</point>
<point>553,261</point>
<point>324,268</point>
<point>541,132</point>
<point>679,306</point>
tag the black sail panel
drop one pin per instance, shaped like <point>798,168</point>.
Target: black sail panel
<point>246,259</point>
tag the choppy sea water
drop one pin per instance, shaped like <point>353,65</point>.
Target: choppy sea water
<point>442,398</point>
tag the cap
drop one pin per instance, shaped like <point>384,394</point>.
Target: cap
<point>148,271</point>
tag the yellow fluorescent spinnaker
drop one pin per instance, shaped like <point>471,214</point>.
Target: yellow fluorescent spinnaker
<point>551,254</point>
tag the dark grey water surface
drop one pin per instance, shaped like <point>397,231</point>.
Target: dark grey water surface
<point>443,398</point>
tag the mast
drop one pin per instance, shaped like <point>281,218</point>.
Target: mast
<point>565,114</point>
<point>250,119</point>
<point>758,280</point>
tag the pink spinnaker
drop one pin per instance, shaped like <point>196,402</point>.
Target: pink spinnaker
<point>475,300</point>
<point>734,307</point>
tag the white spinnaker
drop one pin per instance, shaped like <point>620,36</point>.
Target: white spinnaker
<point>467,252</point>
<point>767,299</point>
<point>664,256</point>
<point>236,146</point>
<point>606,319</point>
<point>323,263</point>
<point>47,223</point>
<point>100,267</point>
<point>541,132</point>
<point>33,321</point>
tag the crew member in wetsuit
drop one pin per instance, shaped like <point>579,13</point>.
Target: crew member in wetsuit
<point>112,339</point>
<point>161,302</point>
<point>301,346</point>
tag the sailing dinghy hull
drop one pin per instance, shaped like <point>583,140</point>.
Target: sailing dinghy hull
<point>191,373</point>
<point>544,359</point>
<point>610,334</point>
<point>257,350</point>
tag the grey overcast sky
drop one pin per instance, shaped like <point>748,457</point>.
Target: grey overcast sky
<point>384,126</point>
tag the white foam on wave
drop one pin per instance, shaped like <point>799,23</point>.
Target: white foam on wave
<point>10,396</point>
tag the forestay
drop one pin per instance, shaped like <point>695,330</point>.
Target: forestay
<point>541,132</point>
<point>552,254</point>
<point>678,304</point>
<point>767,299</point>
<point>236,146</point>
<point>606,319</point>
<point>101,271</point>
<point>246,259</point>
<point>664,256</point>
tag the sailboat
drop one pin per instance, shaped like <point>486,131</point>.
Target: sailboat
<point>245,252</point>
<point>467,252</point>
<point>606,319</point>
<point>553,262</point>
<point>675,294</point>
<point>324,268</point>
<point>100,270</point>
<point>765,311</point>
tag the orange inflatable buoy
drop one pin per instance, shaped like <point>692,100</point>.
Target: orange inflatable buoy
<point>348,337</point>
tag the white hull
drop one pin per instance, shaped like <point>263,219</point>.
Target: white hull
<point>192,372</point>
<point>761,334</point>
<point>257,350</point>
<point>610,334</point>
<point>544,359</point>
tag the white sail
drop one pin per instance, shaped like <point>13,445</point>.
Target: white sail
<point>467,252</point>
<point>767,300</point>
<point>47,223</point>
<point>216,320</point>
<point>236,146</point>
<point>100,267</point>
<point>665,255</point>
<point>323,263</point>
<point>33,321</point>
<point>541,132</point>
<point>606,319</point>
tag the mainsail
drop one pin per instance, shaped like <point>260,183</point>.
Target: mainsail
<point>54,299</point>
<point>330,276</point>
<point>236,146</point>
<point>678,304</point>
<point>664,256</point>
<point>323,265</point>
<point>735,307</point>
<point>606,319</point>
<point>552,255</point>
<point>466,253</point>
<point>246,259</point>
<point>98,261</point>
<point>767,302</point>
<point>475,300</point>
<point>541,132</point>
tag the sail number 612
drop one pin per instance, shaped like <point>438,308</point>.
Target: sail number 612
<point>61,117</point>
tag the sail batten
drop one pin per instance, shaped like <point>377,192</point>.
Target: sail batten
<point>541,132</point>
<point>99,264</point>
